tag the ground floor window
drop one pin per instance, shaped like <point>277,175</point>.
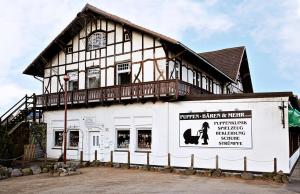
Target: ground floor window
<point>123,138</point>
<point>74,138</point>
<point>144,139</point>
<point>58,138</point>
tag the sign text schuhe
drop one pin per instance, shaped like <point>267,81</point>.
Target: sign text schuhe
<point>216,129</point>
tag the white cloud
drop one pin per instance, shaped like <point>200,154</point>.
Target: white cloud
<point>27,27</point>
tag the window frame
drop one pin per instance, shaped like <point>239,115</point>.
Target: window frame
<point>54,138</point>
<point>116,139</point>
<point>123,71</point>
<point>137,139</point>
<point>69,138</point>
<point>87,77</point>
<point>68,86</point>
<point>93,33</point>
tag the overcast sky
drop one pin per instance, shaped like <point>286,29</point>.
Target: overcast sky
<point>269,30</point>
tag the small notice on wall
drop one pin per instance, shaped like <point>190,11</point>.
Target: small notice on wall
<point>223,129</point>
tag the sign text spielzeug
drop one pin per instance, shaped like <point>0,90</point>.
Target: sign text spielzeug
<point>216,129</point>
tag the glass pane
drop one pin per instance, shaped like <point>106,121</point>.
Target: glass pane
<point>58,138</point>
<point>144,139</point>
<point>97,140</point>
<point>74,138</point>
<point>123,137</point>
<point>93,140</point>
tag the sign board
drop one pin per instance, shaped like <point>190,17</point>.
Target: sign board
<point>224,129</point>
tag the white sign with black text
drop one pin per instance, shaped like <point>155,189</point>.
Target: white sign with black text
<point>225,129</point>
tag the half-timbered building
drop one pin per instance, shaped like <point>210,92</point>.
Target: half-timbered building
<point>128,85</point>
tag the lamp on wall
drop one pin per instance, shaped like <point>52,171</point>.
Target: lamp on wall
<point>66,78</point>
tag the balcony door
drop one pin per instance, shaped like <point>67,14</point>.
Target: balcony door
<point>123,73</point>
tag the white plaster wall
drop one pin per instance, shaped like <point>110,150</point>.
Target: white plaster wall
<point>269,138</point>
<point>132,116</point>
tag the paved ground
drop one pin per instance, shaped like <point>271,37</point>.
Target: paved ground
<point>110,180</point>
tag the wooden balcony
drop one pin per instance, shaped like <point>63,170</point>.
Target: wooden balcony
<point>167,89</point>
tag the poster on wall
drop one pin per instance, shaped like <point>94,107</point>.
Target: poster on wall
<point>224,129</point>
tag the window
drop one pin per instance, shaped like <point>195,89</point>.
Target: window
<point>74,138</point>
<point>93,78</point>
<point>95,140</point>
<point>124,74</point>
<point>58,138</point>
<point>96,40</point>
<point>144,139</point>
<point>123,138</point>
<point>73,82</point>
<point>69,49</point>
<point>127,35</point>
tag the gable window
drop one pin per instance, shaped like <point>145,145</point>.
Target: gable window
<point>73,82</point>
<point>144,138</point>
<point>123,138</point>
<point>96,40</point>
<point>58,138</point>
<point>127,35</point>
<point>123,73</point>
<point>93,78</point>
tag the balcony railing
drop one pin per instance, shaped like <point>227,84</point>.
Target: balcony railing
<point>136,91</point>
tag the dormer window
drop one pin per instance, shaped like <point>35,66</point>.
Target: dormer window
<point>127,35</point>
<point>96,40</point>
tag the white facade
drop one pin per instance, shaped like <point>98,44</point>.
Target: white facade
<point>269,138</point>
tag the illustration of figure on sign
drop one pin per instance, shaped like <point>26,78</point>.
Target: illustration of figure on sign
<point>205,127</point>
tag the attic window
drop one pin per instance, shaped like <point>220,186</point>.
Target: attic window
<point>127,35</point>
<point>96,40</point>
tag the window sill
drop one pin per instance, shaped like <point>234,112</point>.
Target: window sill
<point>57,148</point>
<point>60,148</point>
<point>143,151</point>
<point>121,150</point>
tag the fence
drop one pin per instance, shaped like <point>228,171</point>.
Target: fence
<point>170,160</point>
<point>148,159</point>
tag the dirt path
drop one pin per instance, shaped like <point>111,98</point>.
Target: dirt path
<point>110,180</point>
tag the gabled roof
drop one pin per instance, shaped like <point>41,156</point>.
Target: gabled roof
<point>230,61</point>
<point>36,68</point>
<point>227,60</point>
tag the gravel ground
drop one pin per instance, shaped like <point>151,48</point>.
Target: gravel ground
<point>110,180</point>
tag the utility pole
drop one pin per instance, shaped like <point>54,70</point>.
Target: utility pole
<point>66,78</point>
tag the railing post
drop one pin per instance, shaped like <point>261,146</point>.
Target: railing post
<point>81,157</point>
<point>58,99</point>
<point>148,160</point>
<point>128,159</point>
<point>112,158</point>
<point>86,97</point>
<point>72,98</point>
<point>95,155</point>
<point>245,164</point>
<point>177,88</point>
<point>192,161</point>
<point>275,165</point>
<point>169,159</point>
<point>34,107</point>
<point>217,162</point>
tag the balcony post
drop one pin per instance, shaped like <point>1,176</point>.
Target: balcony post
<point>86,97</point>
<point>66,78</point>
<point>177,88</point>
<point>34,107</point>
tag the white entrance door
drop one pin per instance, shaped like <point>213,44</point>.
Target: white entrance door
<point>94,144</point>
